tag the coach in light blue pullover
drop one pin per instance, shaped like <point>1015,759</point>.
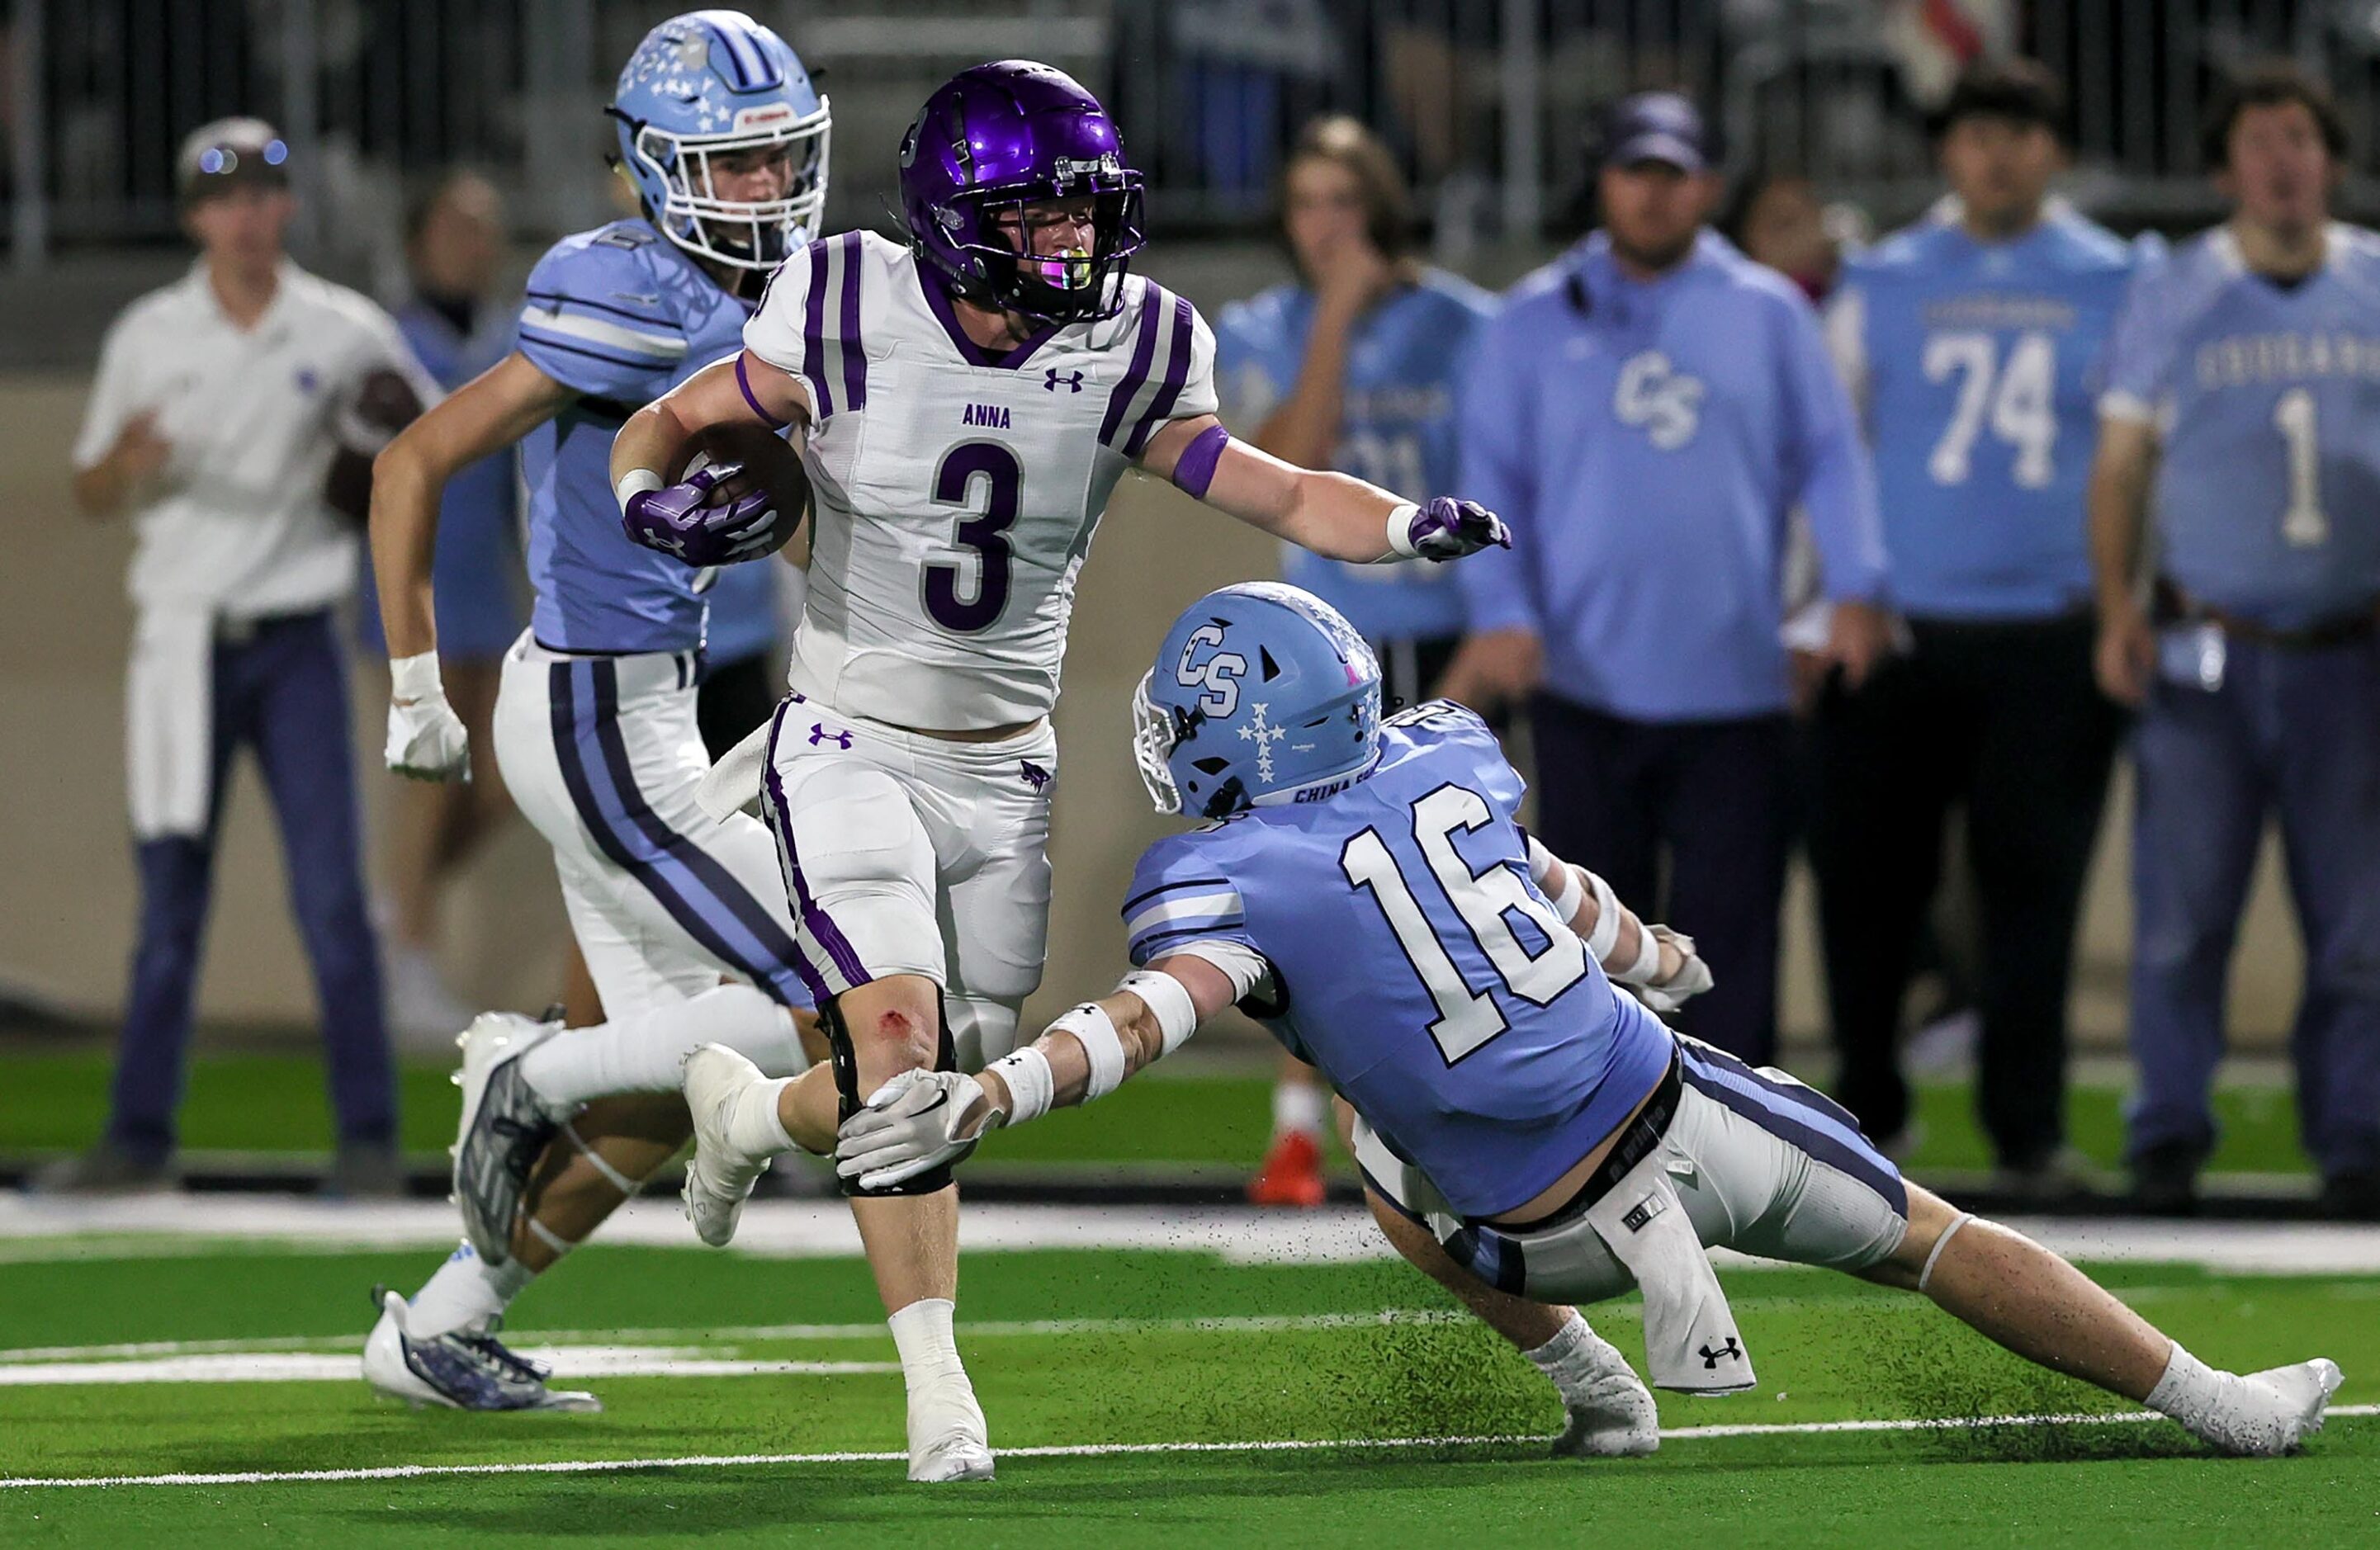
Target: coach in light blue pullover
<point>1645,411</point>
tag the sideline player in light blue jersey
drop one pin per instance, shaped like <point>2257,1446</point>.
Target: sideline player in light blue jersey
<point>1971,344</point>
<point>1352,365</point>
<point>2245,380</point>
<point>595,727</point>
<point>1531,1135</point>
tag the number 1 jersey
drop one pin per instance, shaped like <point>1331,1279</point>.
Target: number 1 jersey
<point>1416,963</point>
<point>956,487</point>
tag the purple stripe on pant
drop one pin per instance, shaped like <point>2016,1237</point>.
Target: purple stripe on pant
<point>781,818</point>
<point>283,691</point>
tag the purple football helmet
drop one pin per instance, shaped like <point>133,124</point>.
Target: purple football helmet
<point>998,137</point>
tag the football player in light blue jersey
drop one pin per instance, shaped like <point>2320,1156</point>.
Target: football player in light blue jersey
<point>1352,367</point>
<point>2245,382</point>
<point>1531,1135</point>
<point>1971,344</point>
<point>596,726</point>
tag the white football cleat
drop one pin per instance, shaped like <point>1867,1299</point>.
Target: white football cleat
<point>948,1440</point>
<point>725,1164</point>
<point>2304,1390</point>
<point>1614,1419</point>
<point>492,1161</point>
<point>466,1369</point>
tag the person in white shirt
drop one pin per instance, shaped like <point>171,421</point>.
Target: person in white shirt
<point>233,410</point>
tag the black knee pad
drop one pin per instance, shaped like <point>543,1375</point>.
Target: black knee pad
<point>845,1056</point>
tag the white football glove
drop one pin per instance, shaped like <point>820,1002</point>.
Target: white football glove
<point>426,740</point>
<point>920,1120</point>
<point>1693,975</point>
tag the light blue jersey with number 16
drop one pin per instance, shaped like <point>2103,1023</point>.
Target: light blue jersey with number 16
<point>1418,965</point>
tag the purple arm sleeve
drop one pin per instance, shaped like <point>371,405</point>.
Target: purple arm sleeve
<point>1195,469</point>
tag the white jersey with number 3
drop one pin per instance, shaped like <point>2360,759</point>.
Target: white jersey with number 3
<point>956,487</point>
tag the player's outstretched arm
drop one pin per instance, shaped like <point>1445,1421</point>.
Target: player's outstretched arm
<point>1659,963</point>
<point>409,480</point>
<point>1336,515</point>
<point>923,1119</point>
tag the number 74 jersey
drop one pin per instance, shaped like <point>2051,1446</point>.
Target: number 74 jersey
<point>1416,962</point>
<point>957,488</point>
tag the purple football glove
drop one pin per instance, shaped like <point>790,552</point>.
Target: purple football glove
<point>675,520</point>
<point>1448,529</point>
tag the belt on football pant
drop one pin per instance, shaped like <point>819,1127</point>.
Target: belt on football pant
<point>2171,605</point>
<point>1635,1142</point>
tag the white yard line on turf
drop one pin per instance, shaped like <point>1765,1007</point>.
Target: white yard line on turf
<point>581,1362</point>
<point>1075,1450</point>
<point>564,1344</point>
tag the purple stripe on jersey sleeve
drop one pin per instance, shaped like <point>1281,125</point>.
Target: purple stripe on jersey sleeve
<point>772,421</point>
<point>814,333</point>
<point>1177,371</point>
<point>1138,373</point>
<point>854,359</point>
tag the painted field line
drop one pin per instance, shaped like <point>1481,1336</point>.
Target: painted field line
<point>582,1362</point>
<point>1071,1450</point>
<point>565,1343</point>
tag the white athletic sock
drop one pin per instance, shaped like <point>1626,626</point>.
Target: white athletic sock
<point>643,1053</point>
<point>754,1128</point>
<point>1296,1106</point>
<point>2237,1414</point>
<point>465,1291</point>
<point>1576,1359</point>
<point>930,1348</point>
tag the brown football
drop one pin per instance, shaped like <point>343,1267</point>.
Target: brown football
<point>766,459</point>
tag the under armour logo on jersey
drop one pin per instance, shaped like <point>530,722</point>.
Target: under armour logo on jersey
<point>1264,735</point>
<point>1035,776</point>
<point>819,734</point>
<point>1051,379</point>
<point>1652,392</point>
<point>1729,1351</point>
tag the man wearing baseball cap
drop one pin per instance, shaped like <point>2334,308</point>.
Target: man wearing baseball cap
<point>1653,405</point>
<point>232,414</point>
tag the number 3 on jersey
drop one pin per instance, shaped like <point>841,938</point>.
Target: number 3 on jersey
<point>981,537</point>
<point>1484,901</point>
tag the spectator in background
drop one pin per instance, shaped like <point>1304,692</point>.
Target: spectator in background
<point>1646,411</point>
<point>454,241</point>
<point>1777,220</point>
<point>1352,365</point>
<point>227,406</point>
<point>2244,382</point>
<point>1972,342</point>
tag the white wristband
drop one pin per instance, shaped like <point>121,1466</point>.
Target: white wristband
<point>1031,1083</point>
<point>1400,532</point>
<point>1606,935</point>
<point>1648,959</point>
<point>1095,1030</point>
<point>1169,999</point>
<point>635,481</point>
<point>414,679</point>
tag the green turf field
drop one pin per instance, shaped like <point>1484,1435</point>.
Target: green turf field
<point>269,1103</point>
<point>1184,1350</point>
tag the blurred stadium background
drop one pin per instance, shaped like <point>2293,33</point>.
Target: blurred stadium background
<point>1484,100</point>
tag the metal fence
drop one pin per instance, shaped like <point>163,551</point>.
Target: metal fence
<point>1485,100</point>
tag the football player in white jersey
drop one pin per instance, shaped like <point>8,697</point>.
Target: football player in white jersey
<point>964,406</point>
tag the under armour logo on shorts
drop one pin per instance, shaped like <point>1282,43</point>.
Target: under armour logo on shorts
<point>819,734</point>
<point>1074,384</point>
<point>1035,776</point>
<point>1729,1351</point>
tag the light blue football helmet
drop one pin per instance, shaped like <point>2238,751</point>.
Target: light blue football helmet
<point>703,85</point>
<point>1261,694</point>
